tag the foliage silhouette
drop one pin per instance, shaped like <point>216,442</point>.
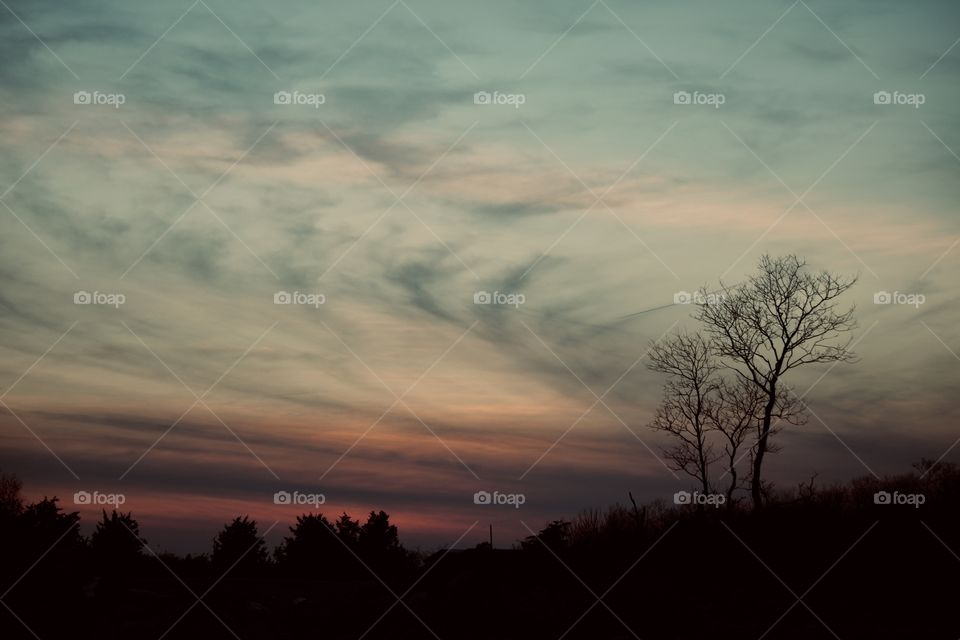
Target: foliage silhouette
<point>645,561</point>
<point>313,550</point>
<point>116,540</point>
<point>11,503</point>
<point>239,548</point>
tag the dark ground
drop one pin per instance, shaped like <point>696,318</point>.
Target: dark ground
<point>831,564</point>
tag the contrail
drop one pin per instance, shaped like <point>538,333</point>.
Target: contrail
<point>672,304</point>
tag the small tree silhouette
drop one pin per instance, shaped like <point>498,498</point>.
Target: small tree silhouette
<point>11,504</point>
<point>312,550</point>
<point>116,542</point>
<point>701,408</point>
<point>379,545</point>
<point>239,545</point>
<point>555,536</point>
<point>348,530</point>
<point>734,416</point>
<point>45,522</point>
<point>44,530</point>
<point>689,402</point>
<point>377,535</point>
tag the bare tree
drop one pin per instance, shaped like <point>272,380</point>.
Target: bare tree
<point>734,415</point>
<point>702,410</point>
<point>781,318</point>
<point>687,405</point>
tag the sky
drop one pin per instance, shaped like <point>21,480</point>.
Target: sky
<point>184,166</point>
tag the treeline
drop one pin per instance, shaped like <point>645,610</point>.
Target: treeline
<point>314,548</point>
<point>864,561</point>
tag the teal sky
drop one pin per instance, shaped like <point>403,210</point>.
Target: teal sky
<point>398,198</point>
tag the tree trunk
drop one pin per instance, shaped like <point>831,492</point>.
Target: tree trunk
<point>755,481</point>
<point>704,479</point>
<point>733,483</point>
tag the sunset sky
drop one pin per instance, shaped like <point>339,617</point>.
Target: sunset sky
<point>587,189</point>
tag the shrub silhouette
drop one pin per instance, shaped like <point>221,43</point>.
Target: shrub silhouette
<point>555,537</point>
<point>320,549</point>
<point>379,546</point>
<point>116,543</point>
<point>647,563</point>
<point>11,504</point>
<point>313,550</point>
<point>348,530</point>
<point>44,523</point>
<point>44,552</point>
<point>239,548</point>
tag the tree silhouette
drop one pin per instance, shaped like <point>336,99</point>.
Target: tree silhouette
<point>240,547</point>
<point>318,547</point>
<point>689,400</point>
<point>781,318</point>
<point>555,536</point>
<point>11,504</point>
<point>702,410</point>
<point>734,415</point>
<point>378,535</point>
<point>312,550</point>
<point>54,584</point>
<point>116,542</point>
<point>379,545</point>
<point>45,522</point>
<point>45,534</point>
<point>348,530</point>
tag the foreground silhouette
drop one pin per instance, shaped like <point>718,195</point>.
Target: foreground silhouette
<point>726,385</point>
<point>860,560</point>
